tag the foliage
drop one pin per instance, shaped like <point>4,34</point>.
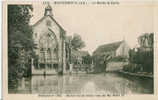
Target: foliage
<point>77,43</point>
<point>74,43</point>
<point>20,42</point>
<point>146,40</point>
<point>145,58</point>
<point>87,59</point>
<point>19,30</point>
<point>144,54</point>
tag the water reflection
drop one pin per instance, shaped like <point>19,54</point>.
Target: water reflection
<point>92,84</point>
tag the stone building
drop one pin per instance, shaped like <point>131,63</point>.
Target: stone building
<point>111,56</point>
<point>115,49</point>
<point>49,38</point>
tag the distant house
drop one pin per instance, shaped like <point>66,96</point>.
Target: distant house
<point>111,52</point>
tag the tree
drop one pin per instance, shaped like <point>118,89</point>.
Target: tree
<point>144,54</point>
<point>146,40</point>
<point>20,42</point>
<point>77,42</point>
<point>87,59</point>
<point>73,43</point>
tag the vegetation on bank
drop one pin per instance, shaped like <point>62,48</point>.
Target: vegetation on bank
<point>141,58</point>
<point>20,42</point>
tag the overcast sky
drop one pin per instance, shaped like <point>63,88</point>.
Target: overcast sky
<point>99,25</point>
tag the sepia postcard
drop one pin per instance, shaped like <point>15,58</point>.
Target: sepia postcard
<point>99,49</point>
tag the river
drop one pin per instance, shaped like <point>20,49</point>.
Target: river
<point>84,84</point>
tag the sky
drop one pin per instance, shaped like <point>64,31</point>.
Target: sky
<point>98,25</point>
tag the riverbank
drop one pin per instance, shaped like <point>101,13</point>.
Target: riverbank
<point>137,74</point>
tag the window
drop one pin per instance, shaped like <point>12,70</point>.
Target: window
<point>48,23</point>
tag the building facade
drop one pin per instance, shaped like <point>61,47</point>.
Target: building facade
<point>49,38</point>
<point>115,49</point>
<point>111,56</point>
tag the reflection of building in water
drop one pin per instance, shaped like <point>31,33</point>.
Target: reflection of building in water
<point>54,84</point>
<point>46,85</point>
<point>49,38</point>
<point>24,86</point>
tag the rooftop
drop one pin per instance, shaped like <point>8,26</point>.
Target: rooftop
<point>107,47</point>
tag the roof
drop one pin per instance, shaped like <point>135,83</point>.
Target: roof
<point>80,53</point>
<point>51,18</point>
<point>107,47</point>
